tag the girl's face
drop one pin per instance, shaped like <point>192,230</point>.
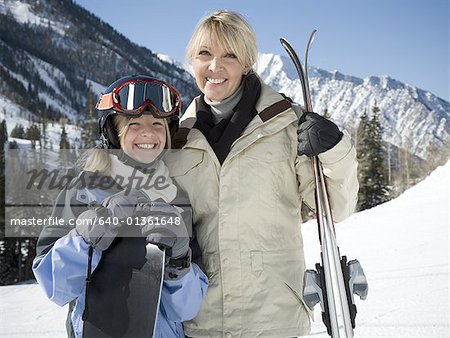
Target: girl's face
<point>217,71</point>
<point>145,138</point>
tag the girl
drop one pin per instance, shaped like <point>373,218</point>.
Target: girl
<point>93,263</point>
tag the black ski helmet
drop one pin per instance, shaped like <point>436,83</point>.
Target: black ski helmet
<point>147,96</point>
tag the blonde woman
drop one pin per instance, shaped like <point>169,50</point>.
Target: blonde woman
<point>246,170</point>
<point>138,114</point>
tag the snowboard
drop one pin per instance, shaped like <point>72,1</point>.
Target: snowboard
<point>125,291</point>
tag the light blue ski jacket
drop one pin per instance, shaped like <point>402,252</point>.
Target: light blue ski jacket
<point>61,272</point>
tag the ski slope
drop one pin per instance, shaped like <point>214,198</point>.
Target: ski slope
<point>403,246</point>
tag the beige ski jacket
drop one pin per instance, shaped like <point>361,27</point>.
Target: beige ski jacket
<point>246,216</point>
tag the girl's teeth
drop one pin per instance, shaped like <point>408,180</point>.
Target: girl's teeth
<point>146,146</point>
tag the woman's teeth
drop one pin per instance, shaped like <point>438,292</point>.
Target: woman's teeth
<point>215,81</point>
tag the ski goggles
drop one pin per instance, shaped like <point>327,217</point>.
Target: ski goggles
<point>132,96</point>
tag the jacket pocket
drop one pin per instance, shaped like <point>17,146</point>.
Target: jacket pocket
<point>271,291</point>
<point>289,276</point>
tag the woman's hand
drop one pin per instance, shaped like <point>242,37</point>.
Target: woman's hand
<point>316,135</point>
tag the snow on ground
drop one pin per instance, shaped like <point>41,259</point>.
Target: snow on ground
<point>14,114</point>
<point>403,246</point>
<point>26,312</point>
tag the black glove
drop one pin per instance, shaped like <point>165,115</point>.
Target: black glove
<point>316,135</point>
<point>93,224</point>
<point>165,227</point>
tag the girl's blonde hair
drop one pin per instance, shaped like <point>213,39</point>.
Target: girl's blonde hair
<point>231,31</point>
<point>98,160</point>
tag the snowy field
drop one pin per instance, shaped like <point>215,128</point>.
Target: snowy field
<point>403,246</point>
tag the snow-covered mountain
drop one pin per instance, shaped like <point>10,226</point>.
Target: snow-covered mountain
<point>403,250</point>
<point>52,51</point>
<point>411,117</point>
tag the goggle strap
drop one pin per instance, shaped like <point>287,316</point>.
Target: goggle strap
<point>106,102</point>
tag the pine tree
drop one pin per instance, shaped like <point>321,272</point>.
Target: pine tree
<point>363,155</point>
<point>18,131</point>
<point>3,140</point>
<point>33,134</point>
<point>8,257</point>
<point>44,123</point>
<point>64,148</point>
<point>90,128</point>
<point>372,178</point>
<point>64,142</point>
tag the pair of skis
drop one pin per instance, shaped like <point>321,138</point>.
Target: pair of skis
<point>335,281</point>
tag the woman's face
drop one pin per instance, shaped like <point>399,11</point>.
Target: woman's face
<point>217,71</point>
<point>145,138</point>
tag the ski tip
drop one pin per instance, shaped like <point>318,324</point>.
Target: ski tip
<point>283,41</point>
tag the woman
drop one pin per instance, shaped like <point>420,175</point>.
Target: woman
<point>103,241</point>
<point>247,169</point>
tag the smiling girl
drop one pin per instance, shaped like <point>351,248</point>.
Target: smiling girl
<point>94,265</point>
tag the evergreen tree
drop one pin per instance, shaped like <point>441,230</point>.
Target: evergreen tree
<point>3,140</point>
<point>371,171</point>
<point>64,142</point>
<point>44,123</point>
<point>33,134</point>
<point>363,155</point>
<point>8,257</point>
<point>18,131</point>
<point>90,127</point>
<point>64,148</point>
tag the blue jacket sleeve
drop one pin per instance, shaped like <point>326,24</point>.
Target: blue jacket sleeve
<point>181,299</point>
<point>61,272</point>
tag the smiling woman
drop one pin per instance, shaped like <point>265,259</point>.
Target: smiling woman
<point>246,173</point>
<point>221,55</point>
<point>218,72</point>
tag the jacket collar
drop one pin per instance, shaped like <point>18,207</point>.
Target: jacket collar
<point>273,115</point>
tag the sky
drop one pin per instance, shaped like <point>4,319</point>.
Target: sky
<point>403,254</point>
<point>408,40</point>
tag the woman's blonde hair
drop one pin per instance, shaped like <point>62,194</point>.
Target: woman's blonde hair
<point>231,31</point>
<point>98,160</point>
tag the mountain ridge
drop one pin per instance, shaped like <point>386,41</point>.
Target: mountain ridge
<point>411,117</point>
<point>53,51</point>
